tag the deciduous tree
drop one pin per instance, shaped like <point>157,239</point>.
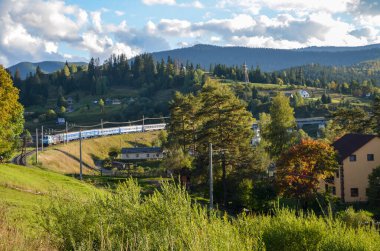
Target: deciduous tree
<point>11,115</point>
<point>278,133</point>
<point>303,166</point>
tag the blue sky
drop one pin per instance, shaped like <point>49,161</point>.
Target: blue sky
<point>36,30</point>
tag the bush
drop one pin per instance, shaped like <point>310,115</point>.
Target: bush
<point>169,220</point>
<point>355,219</point>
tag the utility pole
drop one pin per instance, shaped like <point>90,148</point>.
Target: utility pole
<point>101,123</point>
<point>224,179</point>
<point>42,138</point>
<point>36,145</point>
<point>66,135</point>
<point>211,178</point>
<point>143,123</point>
<point>80,154</point>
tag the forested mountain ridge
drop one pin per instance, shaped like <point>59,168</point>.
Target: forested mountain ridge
<point>267,59</point>
<point>271,59</point>
<point>46,67</point>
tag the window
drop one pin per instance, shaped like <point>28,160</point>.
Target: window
<point>370,157</point>
<point>333,190</point>
<point>354,192</point>
<point>352,158</point>
<point>137,155</point>
<point>147,155</point>
<point>337,173</point>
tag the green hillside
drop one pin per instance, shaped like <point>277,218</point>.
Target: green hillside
<point>46,66</point>
<point>22,193</point>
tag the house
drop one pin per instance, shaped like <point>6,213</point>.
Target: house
<point>358,155</point>
<point>304,94</point>
<point>289,94</point>
<point>141,153</point>
<point>116,101</point>
<point>108,101</point>
<point>257,137</point>
<point>70,101</point>
<point>61,121</point>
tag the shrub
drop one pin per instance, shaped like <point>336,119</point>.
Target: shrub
<point>169,220</point>
<point>355,219</point>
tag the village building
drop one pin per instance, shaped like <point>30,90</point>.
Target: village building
<point>358,155</point>
<point>116,101</point>
<point>141,153</point>
<point>304,94</point>
<point>70,101</point>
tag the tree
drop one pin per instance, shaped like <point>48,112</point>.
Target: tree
<point>62,109</point>
<point>62,101</point>
<point>101,105</point>
<point>11,115</point>
<point>50,114</point>
<point>183,123</point>
<point>376,114</point>
<point>301,168</point>
<point>227,124</point>
<point>350,120</point>
<point>278,134</point>
<point>175,159</point>
<point>66,71</point>
<point>374,187</point>
<point>113,153</point>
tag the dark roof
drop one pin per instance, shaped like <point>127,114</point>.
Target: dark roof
<point>141,150</point>
<point>350,143</point>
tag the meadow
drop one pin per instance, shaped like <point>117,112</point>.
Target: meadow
<point>43,210</point>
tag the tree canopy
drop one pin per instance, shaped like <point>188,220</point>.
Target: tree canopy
<point>11,115</point>
<point>302,166</point>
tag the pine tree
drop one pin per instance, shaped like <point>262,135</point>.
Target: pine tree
<point>228,126</point>
<point>183,123</point>
<point>376,114</point>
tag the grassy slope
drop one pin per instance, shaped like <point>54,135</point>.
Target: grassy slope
<point>23,190</point>
<point>92,149</point>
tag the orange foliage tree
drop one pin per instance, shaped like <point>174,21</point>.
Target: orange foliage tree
<point>302,166</point>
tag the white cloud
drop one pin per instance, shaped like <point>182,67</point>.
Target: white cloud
<point>154,2</point>
<point>195,4</point>
<point>97,20</point>
<point>254,6</point>
<point>119,13</point>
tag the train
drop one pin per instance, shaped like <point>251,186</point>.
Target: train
<point>71,136</point>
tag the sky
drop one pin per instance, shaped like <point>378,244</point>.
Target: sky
<point>76,30</point>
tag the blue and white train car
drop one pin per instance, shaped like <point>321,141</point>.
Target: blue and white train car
<point>62,137</point>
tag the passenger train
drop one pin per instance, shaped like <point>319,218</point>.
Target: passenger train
<point>63,137</point>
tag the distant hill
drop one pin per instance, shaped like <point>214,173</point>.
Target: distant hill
<point>272,59</point>
<point>46,66</point>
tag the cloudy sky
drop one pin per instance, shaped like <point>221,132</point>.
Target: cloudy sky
<point>36,30</point>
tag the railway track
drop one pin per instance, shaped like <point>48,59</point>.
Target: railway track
<point>21,159</point>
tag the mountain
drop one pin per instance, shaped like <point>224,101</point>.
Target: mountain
<point>336,49</point>
<point>271,59</point>
<point>46,66</point>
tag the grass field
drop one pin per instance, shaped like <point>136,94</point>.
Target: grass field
<point>92,150</point>
<point>23,190</point>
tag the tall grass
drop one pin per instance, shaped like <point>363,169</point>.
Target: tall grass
<point>13,238</point>
<point>169,220</point>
